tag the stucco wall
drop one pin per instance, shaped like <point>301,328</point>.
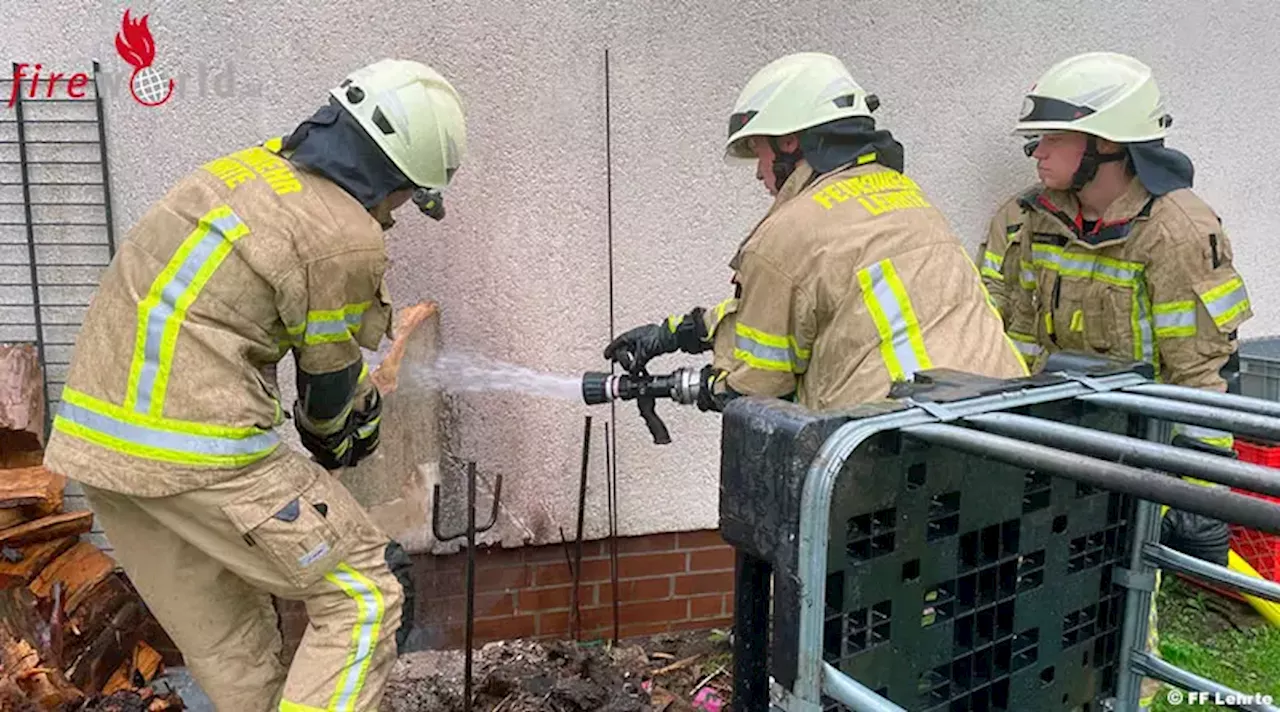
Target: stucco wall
<point>520,265</point>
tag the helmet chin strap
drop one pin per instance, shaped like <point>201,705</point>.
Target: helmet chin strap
<point>1089,162</point>
<point>784,164</point>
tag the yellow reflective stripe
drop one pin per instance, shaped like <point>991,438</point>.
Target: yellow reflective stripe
<point>287,706</point>
<point>901,343</point>
<point>127,446</point>
<point>1175,319</point>
<point>718,313</point>
<point>364,635</point>
<point>866,158</point>
<point>992,264</point>
<point>1212,436</point>
<point>183,427</point>
<point>1027,275</point>
<point>1078,264</point>
<point>882,326</point>
<point>161,313</point>
<point>769,352</point>
<point>1077,320</point>
<point>274,144</point>
<point>329,326</point>
<point>1026,345</point>
<point>1143,324</point>
<point>672,322</point>
<point>1226,301</point>
<point>991,304</point>
<point>140,435</point>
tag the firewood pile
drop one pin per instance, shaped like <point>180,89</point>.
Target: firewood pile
<point>74,634</point>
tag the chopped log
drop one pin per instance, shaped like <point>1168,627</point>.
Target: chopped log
<point>54,526</point>
<point>135,672</point>
<point>18,450</point>
<point>43,685</point>
<point>33,487</point>
<point>26,650</point>
<point>94,615</point>
<point>110,647</point>
<point>79,569</point>
<point>13,517</point>
<point>21,396</point>
<point>35,557</point>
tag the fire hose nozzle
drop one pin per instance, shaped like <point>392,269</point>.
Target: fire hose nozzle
<point>681,385</point>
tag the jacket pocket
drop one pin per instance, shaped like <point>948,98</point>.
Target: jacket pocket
<point>1225,299</point>
<point>299,519</point>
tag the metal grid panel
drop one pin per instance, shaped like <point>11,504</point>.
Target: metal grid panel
<point>937,576</point>
<point>55,222</point>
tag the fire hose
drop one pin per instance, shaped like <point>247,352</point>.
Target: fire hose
<point>682,385</point>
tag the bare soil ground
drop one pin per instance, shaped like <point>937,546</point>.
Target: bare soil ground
<point>662,673</point>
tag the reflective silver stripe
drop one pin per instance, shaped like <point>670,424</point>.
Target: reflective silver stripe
<point>775,354</point>
<point>1182,318</point>
<point>1146,346</point>
<point>186,443</point>
<point>330,327</point>
<point>367,625</point>
<point>1027,348</point>
<point>160,314</point>
<point>992,264</point>
<point>888,302</point>
<point>1082,265</point>
<point>1219,307</point>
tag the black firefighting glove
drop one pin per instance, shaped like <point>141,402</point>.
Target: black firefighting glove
<point>355,440</point>
<point>634,348</point>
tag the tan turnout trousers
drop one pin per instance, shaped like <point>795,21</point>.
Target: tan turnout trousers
<point>207,562</point>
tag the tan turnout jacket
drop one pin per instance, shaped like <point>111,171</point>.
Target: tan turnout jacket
<point>1153,282</point>
<point>172,383</point>
<point>850,283</point>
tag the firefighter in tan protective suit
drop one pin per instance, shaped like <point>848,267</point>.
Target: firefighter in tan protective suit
<point>169,410</point>
<point>1001,242</point>
<point>851,281</point>
<point>1117,256</point>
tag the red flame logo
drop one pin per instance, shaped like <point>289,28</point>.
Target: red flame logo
<point>135,45</point>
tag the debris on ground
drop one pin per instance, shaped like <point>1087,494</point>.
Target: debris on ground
<point>669,672</point>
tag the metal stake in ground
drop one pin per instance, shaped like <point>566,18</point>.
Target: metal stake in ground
<point>470,532</point>
<point>577,555</point>
<point>611,481</point>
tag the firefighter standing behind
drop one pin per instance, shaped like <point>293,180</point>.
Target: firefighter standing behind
<point>852,280</point>
<point>1117,257</point>
<point>168,413</point>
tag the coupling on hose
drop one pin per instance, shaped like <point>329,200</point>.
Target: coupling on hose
<point>682,385</point>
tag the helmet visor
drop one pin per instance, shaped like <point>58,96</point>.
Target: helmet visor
<point>1045,108</point>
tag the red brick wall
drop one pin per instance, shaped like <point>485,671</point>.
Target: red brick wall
<point>666,582</point>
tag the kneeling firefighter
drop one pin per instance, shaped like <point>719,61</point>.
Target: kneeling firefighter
<point>169,411</point>
<point>1118,257</point>
<point>851,282</point>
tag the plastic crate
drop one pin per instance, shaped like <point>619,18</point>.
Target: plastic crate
<point>1262,551</point>
<point>1260,368</point>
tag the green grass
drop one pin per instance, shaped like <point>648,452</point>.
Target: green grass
<point>1218,638</point>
